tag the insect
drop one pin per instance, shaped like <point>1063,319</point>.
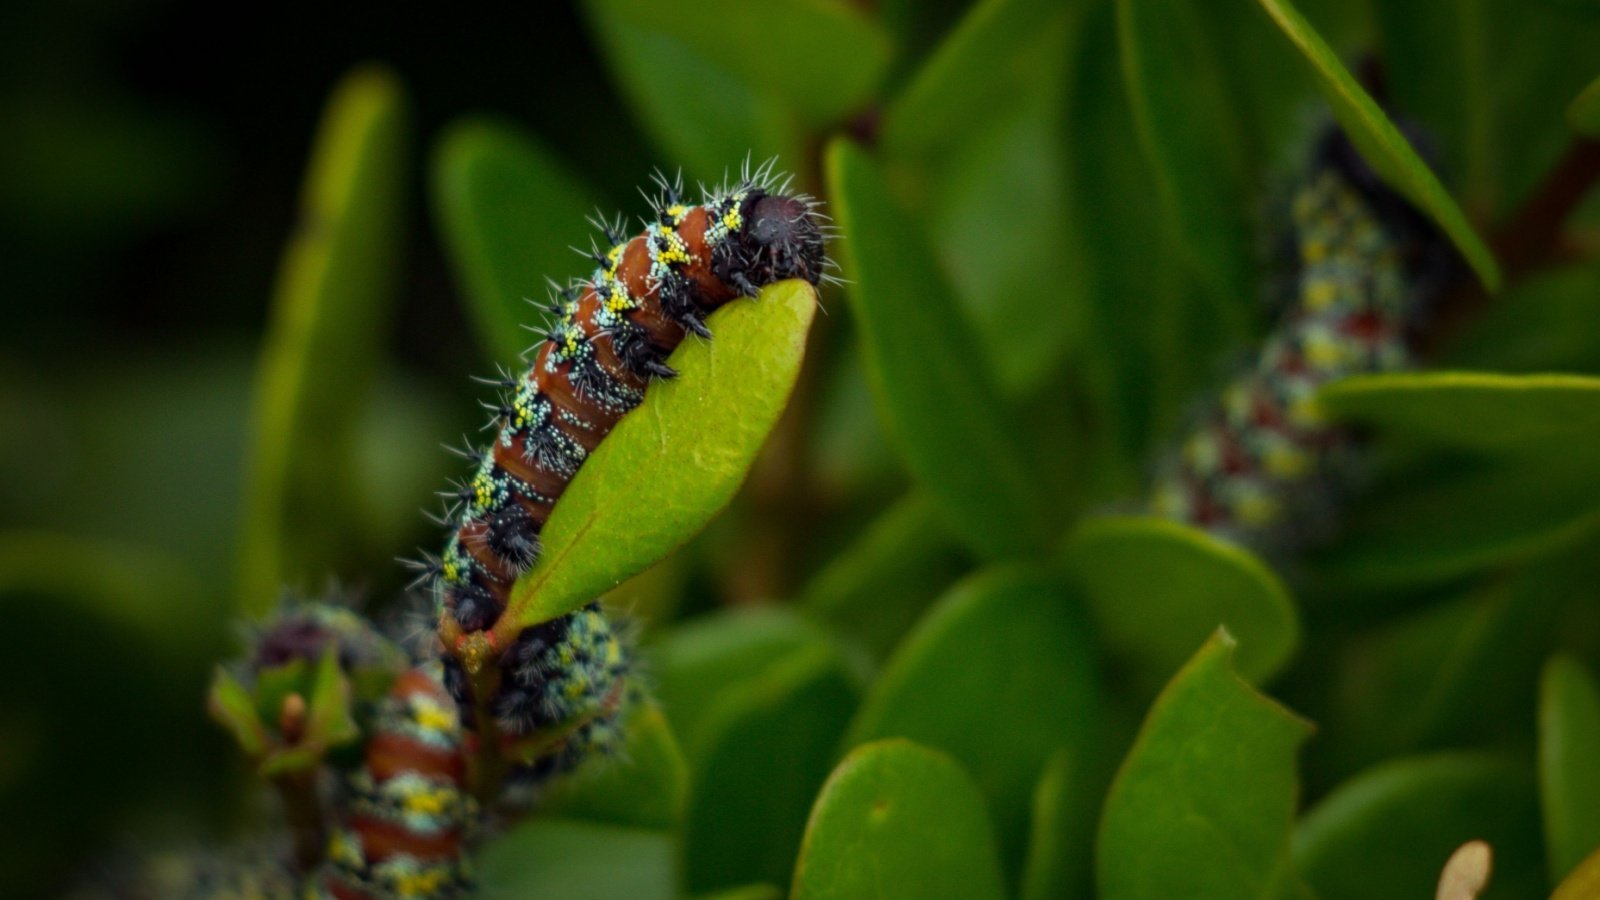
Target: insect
<point>405,815</point>
<point>608,340</point>
<point>1256,467</point>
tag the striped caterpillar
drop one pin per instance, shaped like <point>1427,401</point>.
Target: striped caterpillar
<point>610,337</point>
<point>406,814</point>
<point>1259,460</point>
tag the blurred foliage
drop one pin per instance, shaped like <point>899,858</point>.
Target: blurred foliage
<point>930,586</point>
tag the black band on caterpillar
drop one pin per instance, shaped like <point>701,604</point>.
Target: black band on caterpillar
<point>1256,466</point>
<point>611,337</point>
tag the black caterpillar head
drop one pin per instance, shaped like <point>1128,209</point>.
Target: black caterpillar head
<point>781,238</point>
<point>305,630</point>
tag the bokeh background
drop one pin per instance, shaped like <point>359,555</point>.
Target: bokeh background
<point>150,178</point>
<point>151,171</point>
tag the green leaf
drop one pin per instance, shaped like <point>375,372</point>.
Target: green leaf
<point>1480,411</point>
<point>1157,588</point>
<point>274,684</point>
<point>1211,782</point>
<point>947,417</point>
<point>1018,627</point>
<point>1268,81</point>
<point>1569,763</point>
<point>644,786</point>
<point>231,705</point>
<point>1386,833</point>
<point>1583,883</point>
<point>1583,115</point>
<point>874,589</point>
<point>1383,146</point>
<point>745,892</point>
<point>329,722</point>
<point>322,347</point>
<point>1189,129</point>
<point>992,200</point>
<point>1060,836</point>
<point>673,462</point>
<point>1155,336</point>
<point>1476,517</point>
<point>1455,673</point>
<point>1528,328</point>
<point>999,220</point>
<point>897,820</point>
<point>978,67</point>
<point>822,59</point>
<point>765,750</point>
<point>508,213</point>
<point>696,107</point>
<point>555,858</point>
<point>698,661</point>
<point>1489,78</point>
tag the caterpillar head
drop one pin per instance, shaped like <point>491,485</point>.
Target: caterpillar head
<point>781,238</point>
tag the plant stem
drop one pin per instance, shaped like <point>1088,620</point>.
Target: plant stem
<point>480,660</point>
<point>1531,238</point>
<point>302,808</point>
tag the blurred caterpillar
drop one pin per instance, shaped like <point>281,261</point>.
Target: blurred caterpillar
<point>406,815</point>
<point>1259,463</point>
<point>610,338</point>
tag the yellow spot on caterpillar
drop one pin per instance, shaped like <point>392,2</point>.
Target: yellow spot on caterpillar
<point>1200,452</point>
<point>1257,509</point>
<point>1324,351</point>
<point>1305,412</point>
<point>433,718</point>
<point>1321,294</point>
<point>617,300</point>
<point>343,849</point>
<point>1238,403</point>
<point>427,802</point>
<point>425,883</point>
<point>672,248</point>
<point>1286,461</point>
<point>1170,503</point>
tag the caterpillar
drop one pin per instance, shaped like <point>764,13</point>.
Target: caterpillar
<point>1259,462</point>
<point>609,339</point>
<point>303,630</point>
<point>563,689</point>
<point>406,815</point>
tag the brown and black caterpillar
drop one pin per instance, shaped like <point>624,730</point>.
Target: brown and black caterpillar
<point>608,340</point>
